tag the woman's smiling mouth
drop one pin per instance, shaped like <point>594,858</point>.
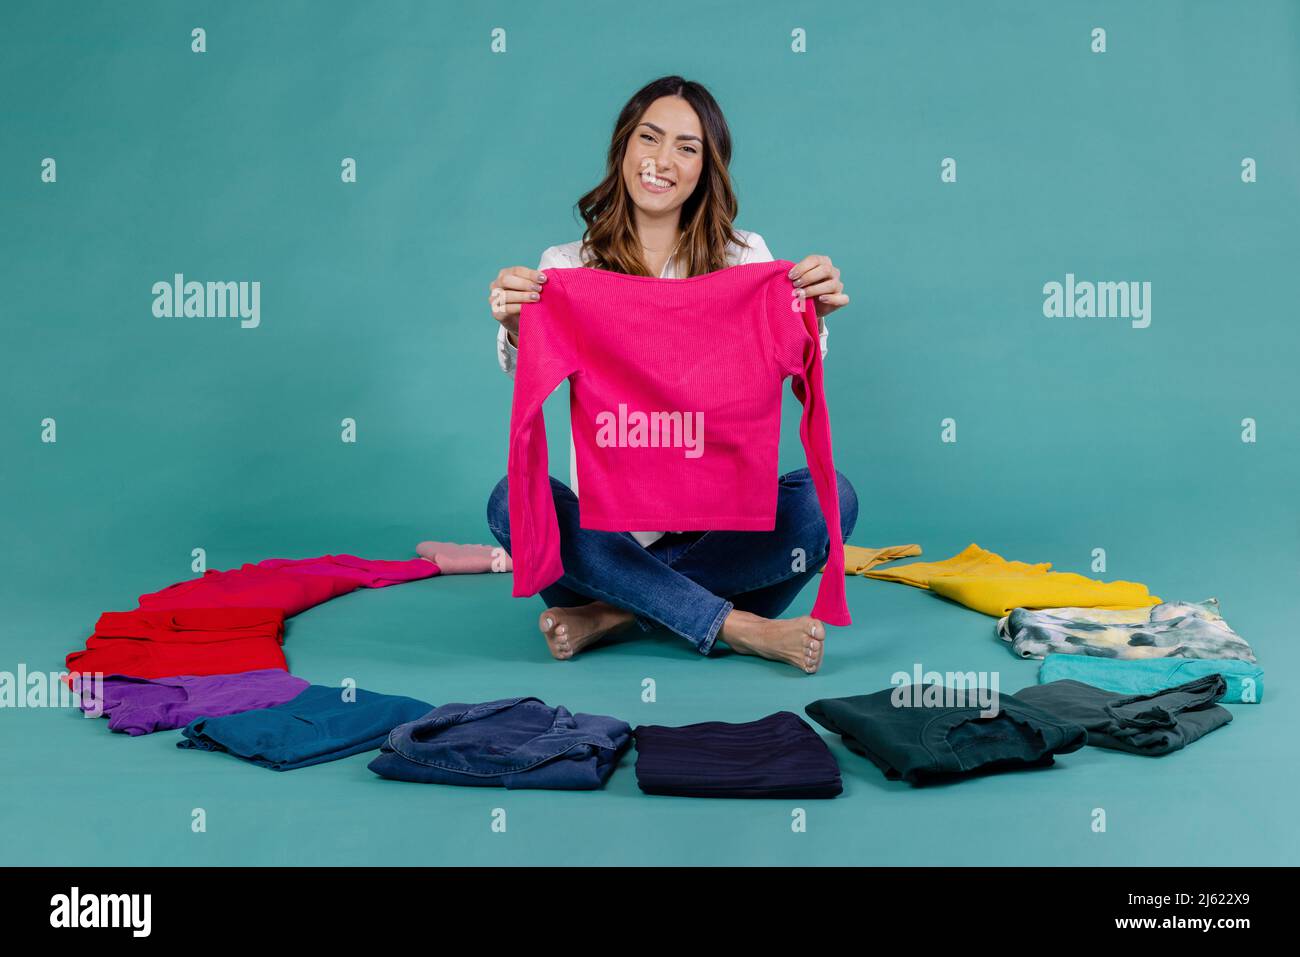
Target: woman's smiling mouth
<point>656,184</point>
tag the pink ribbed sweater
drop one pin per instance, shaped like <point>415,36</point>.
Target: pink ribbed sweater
<point>675,400</point>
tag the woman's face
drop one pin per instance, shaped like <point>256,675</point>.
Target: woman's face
<point>664,156</point>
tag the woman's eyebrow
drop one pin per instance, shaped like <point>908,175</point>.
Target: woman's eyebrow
<point>680,136</point>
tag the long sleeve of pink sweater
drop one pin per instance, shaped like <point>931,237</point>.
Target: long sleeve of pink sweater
<point>675,401</point>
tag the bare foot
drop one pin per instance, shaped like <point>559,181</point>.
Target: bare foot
<point>569,630</point>
<point>796,641</point>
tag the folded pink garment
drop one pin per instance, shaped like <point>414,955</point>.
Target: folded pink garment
<point>290,584</point>
<point>250,587</point>
<point>367,572</point>
<point>454,559</point>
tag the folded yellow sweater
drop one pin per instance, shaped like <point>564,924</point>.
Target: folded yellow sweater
<point>858,560</point>
<point>987,582</point>
<point>1000,596</point>
<point>972,560</point>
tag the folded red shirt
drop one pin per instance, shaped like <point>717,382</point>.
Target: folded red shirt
<point>192,641</point>
<point>227,622</point>
<point>192,625</point>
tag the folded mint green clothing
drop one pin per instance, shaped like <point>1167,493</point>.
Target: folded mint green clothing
<point>1149,675</point>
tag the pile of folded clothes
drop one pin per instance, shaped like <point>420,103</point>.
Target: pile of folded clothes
<point>1121,670</point>
<point>228,622</point>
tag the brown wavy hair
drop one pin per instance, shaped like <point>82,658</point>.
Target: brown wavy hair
<point>610,239</point>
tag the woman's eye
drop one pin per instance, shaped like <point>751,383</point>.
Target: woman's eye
<point>647,137</point>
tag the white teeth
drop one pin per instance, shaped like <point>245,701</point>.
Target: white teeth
<point>656,181</point>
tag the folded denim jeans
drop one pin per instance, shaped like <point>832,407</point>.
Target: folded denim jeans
<point>1156,723</point>
<point>511,743</point>
<point>928,744</point>
<point>321,724</point>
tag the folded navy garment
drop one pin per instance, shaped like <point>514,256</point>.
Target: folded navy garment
<point>927,744</point>
<point>777,756</point>
<point>511,743</point>
<point>1155,724</point>
<point>321,724</point>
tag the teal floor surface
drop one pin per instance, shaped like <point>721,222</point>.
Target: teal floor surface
<point>71,792</point>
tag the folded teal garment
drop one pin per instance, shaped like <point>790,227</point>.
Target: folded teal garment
<point>1149,675</point>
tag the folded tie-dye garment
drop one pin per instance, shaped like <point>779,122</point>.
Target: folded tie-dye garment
<point>1173,629</point>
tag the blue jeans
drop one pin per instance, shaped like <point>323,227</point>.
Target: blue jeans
<point>689,582</point>
<point>511,743</point>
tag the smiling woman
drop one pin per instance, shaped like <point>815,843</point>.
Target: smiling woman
<point>651,206</point>
<point>665,209</point>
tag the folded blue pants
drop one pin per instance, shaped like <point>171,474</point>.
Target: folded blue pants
<point>511,743</point>
<point>319,725</point>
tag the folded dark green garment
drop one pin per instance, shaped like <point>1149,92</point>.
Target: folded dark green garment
<point>927,744</point>
<point>1155,724</point>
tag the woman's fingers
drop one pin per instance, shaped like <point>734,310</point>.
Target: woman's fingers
<point>819,279</point>
<point>825,305</point>
<point>513,287</point>
<point>520,278</point>
<point>824,287</point>
<point>810,269</point>
<point>511,297</point>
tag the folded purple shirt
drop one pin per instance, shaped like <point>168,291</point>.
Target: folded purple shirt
<point>143,705</point>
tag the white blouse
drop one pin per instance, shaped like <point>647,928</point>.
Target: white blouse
<point>569,255</point>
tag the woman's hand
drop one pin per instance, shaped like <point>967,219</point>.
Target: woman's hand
<point>514,286</point>
<point>820,281</point>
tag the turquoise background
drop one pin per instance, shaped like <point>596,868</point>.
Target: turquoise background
<point>1073,434</point>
